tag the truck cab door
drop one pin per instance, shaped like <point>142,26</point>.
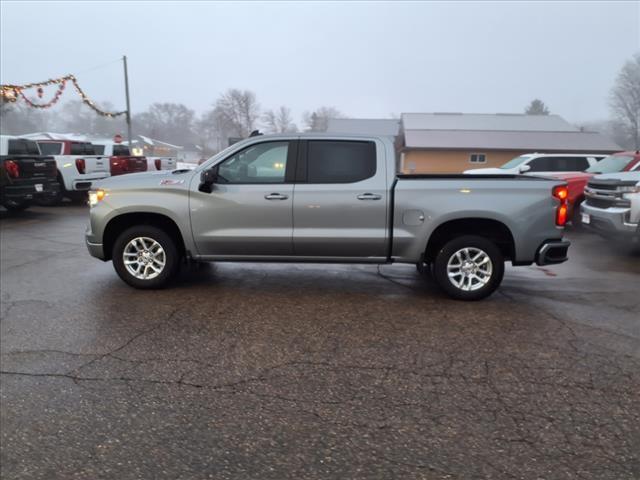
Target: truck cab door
<point>341,200</point>
<point>248,210</point>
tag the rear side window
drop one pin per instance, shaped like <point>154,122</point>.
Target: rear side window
<point>50,148</point>
<point>333,161</point>
<point>98,149</point>
<point>23,147</point>
<point>559,164</point>
<point>121,150</point>
<point>82,149</point>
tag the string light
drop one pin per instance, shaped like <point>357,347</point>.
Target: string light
<point>10,93</point>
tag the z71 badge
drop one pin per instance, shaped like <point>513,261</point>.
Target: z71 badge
<point>169,181</point>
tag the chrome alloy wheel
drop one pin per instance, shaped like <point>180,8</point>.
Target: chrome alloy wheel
<point>144,258</point>
<point>469,269</point>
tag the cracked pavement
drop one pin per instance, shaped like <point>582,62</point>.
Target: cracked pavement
<point>312,371</point>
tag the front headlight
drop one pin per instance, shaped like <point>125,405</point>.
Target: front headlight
<point>96,196</point>
<point>629,189</point>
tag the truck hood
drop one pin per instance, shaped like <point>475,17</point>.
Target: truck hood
<point>146,180</point>
<point>624,176</point>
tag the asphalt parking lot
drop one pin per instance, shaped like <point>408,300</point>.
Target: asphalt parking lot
<point>313,371</point>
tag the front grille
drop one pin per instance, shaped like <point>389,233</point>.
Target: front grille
<point>603,186</point>
<point>599,203</point>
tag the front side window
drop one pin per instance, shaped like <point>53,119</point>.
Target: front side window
<point>477,158</point>
<point>336,161</point>
<point>261,163</point>
<point>541,164</point>
<point>50,148</point>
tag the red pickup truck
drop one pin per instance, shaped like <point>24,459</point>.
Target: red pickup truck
<point>576,181</point>
<point>120,159</point>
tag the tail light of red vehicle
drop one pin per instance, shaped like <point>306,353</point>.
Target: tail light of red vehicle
<point>12,168</point>
<point>158,163</point>
<point>81,165</point>
<point>561,193</point>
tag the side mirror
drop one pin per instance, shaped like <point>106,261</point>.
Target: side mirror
<point>207,179</point>
<point>524,168</point>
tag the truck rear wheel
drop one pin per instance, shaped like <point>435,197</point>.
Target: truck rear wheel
<point>469,267</point>
<point>145,257</point>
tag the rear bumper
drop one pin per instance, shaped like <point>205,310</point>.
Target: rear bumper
<point>610,222</point>
<point>552,252</point>
<point>26,190</point>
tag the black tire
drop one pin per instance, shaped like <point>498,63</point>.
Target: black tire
<point>171,256</point>
<point>14,206</point>
<point>79,198</point>
<point>474,242</point>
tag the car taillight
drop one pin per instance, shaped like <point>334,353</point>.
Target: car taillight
<point>561,193</point>
<point>81,165</point>
<point>12,168</point>
<point>158,163</point>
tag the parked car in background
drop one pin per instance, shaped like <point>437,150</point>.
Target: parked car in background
<point>332,199</point>
<point>612,205</point>
<point>120,159</point>
<point>25,174</point>
<point>542,163</point>
<point>161,163</point>
<point>577,181</point>
<point>78,167</point>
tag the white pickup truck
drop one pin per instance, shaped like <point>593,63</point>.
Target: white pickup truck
<point>78,167</point>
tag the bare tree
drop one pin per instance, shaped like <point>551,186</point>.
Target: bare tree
<point>625,100</point>
<point>318,120</point>
<point>279,121</point>
<point>238,111</point>
<point>536,107</point>
<point>168,122</point>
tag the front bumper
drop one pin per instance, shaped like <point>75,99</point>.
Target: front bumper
<point>552,252</point>
<point>611,222</point>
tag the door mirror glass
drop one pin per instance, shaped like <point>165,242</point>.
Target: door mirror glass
<point>524,168</point>
<point>207,178</point>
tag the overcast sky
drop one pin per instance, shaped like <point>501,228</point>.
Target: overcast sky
<point>368,59</point>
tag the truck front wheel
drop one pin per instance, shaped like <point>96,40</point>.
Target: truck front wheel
<point>145,257</point>
<point>469,267</point>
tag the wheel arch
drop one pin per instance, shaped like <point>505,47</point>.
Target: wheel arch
<point>120,223</point>
<point>491,229</point>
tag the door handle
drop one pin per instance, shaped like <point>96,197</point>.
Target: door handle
<point>276,196</point>
<point>369,196</point>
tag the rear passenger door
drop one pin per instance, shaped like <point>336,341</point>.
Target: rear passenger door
<point>340,200</point>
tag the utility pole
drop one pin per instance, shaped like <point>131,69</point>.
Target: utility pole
<point>126,90</point>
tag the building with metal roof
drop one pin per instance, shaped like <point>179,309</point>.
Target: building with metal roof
<point>453,142</point>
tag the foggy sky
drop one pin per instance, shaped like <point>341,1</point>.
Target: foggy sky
<point>366,59</point>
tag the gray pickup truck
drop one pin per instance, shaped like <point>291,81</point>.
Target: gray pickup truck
<point>326,198</point>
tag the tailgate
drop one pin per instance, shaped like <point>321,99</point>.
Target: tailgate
<point>35,167</point>
<point>95,163</point>
<point>137,164</point>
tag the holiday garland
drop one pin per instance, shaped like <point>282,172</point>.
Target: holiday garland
<point>10,93</point>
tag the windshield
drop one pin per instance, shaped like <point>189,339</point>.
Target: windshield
<point>610,164</point>
<point>514,162</point>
